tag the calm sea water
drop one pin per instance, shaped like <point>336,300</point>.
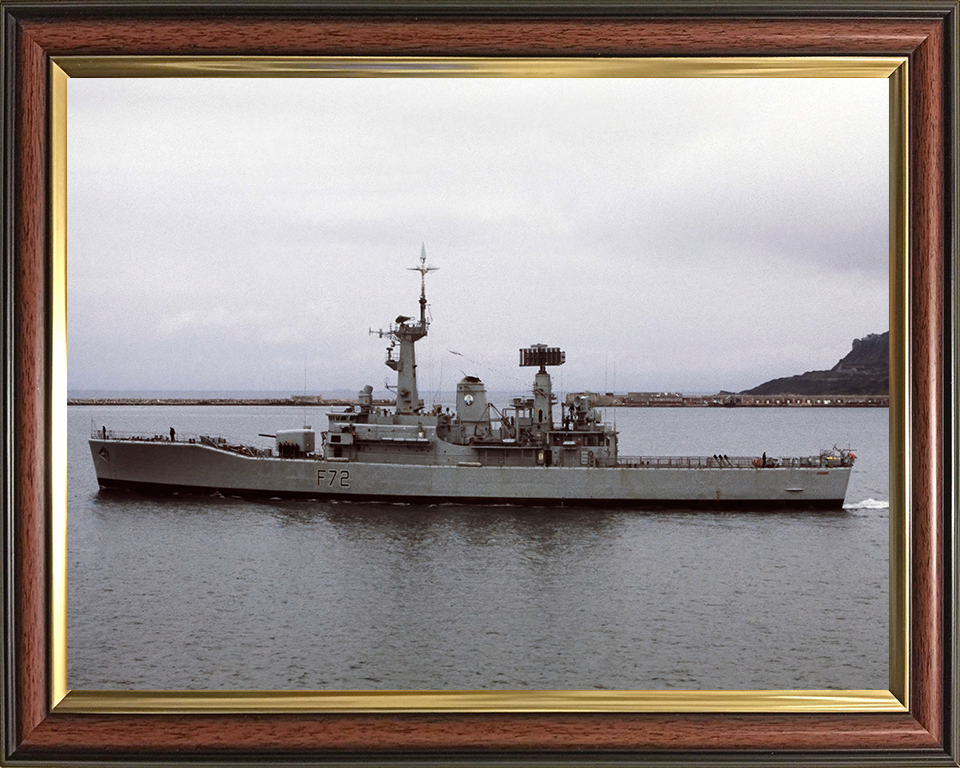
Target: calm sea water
<point>215,593</point>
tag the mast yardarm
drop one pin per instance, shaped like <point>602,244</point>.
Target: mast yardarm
<point>423,269</point>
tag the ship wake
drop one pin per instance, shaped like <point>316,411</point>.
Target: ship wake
<point>868,504</point>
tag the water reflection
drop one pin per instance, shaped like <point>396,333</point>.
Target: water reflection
<point>213,592</point>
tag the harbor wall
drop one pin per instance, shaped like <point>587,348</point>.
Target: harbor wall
<point>725,400</point>
<point>298,400</point>
<point>607,400</point>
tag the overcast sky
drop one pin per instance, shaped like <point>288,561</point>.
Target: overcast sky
<point>685,235</point>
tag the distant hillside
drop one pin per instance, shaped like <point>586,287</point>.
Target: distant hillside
<point>864,371</point>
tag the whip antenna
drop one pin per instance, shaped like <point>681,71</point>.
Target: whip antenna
<point>423,269</point>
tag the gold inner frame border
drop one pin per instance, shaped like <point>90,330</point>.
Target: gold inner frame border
<point>894,69</point>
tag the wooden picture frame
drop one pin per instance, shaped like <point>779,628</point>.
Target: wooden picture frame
<point>35,34</point>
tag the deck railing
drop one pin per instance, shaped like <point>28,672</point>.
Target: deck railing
<point>222,442</point>
<point>182,437</point>
<point>715,462</point>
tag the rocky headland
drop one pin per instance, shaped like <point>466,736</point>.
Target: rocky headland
<point>864,371</point>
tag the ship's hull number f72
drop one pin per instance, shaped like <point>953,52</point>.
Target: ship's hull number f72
<point>329,477</point>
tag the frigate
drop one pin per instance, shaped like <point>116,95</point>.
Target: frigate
<point>475,454</point>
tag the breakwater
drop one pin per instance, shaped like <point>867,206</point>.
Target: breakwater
<point>289,401</point>
<point>608,400</point>
<point>726,400</point>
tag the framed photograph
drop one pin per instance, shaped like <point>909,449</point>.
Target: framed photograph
<point>177,51</point>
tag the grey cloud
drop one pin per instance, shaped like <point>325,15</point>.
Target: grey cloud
<point>239,227</point>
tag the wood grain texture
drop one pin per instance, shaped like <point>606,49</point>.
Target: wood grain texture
<point>927,309</point>
<point>224,734</point>
<point>30,345</point>
<point>426,37</point>
<point>56,736</point>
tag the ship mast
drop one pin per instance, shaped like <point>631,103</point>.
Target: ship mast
<point>407,334</point>
<point>540,355</point>
<point>423,269</point>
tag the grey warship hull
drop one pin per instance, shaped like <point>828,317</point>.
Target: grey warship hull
<point>476,454</point>
<point>180,467</point>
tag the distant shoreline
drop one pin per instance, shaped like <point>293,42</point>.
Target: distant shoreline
<point>729,400</point>
<point>284,401</point>
<point>665,400</point>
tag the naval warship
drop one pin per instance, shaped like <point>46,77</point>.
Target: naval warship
<point>475,454</point>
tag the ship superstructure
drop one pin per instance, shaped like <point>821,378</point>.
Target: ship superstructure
<point>533,451</point>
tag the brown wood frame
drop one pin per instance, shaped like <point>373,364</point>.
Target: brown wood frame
<point>925,32</point>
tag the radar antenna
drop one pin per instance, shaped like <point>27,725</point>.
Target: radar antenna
<point>542,355</point>
<point>423,269</point>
